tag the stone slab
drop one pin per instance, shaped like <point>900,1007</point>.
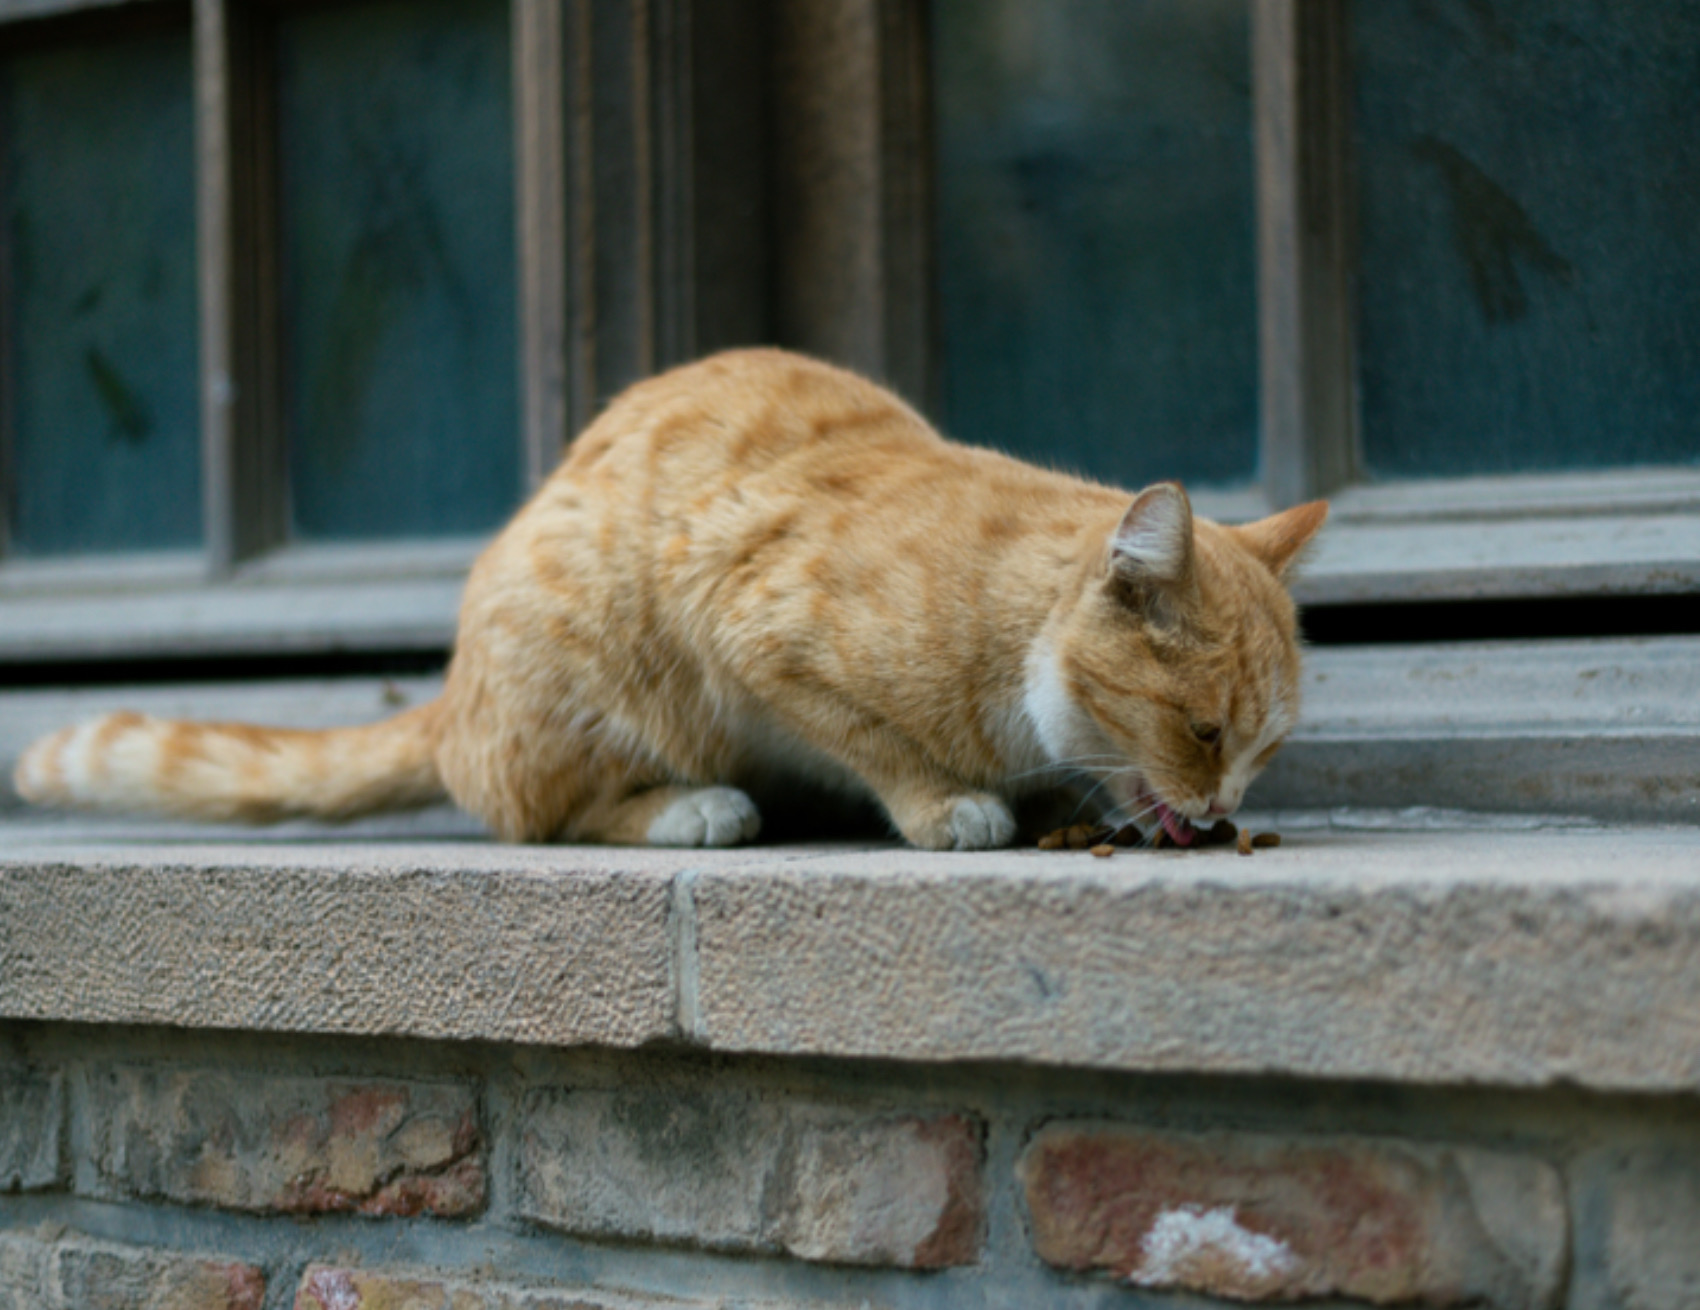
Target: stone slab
<point>1517,958</point>
<point>441,941</point>
<point>1408,947</point>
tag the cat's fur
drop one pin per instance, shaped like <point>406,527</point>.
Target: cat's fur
<point>761,565</point>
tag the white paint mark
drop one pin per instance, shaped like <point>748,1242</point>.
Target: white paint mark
<point>1187,1241</point>
<point>334,1290</point>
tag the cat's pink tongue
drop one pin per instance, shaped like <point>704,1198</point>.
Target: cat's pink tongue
<point>1179,830</point>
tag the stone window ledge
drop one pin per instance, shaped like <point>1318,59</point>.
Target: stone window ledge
<point>1410,948</point>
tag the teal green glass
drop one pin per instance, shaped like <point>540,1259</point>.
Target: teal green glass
<point>99,247</point>
<point>1096,234</point>
<point>1529,213</point>
<point>401,377</point>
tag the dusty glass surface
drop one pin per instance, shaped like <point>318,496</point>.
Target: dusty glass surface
<point>1096,238</point>
<point>398,268</point>
<point>1530,230</point>
<point>99,249</point>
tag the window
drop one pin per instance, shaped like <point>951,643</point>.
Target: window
<point>300,298</point>
<point>1475,228</point>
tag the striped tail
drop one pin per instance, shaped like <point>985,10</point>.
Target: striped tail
<point>233,771</point>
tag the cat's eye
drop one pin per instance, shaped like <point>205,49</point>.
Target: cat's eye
<point>1207,733</point>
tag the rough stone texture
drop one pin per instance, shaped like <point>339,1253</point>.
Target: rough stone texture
<point>1263,1218</point>
<point>1525,958</point>
<point>1638,1216</point>
<point>32,1119</point>
<point>326,1288</point>
<point>734,1172</point>
<point>564,946</point>
<point>1511,958</point>
<point>293,1145</point>
<point>903,1192</point>
<point>44,1270</point>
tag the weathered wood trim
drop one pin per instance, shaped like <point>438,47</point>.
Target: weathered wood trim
<point>1301,95</point>
<point>906,136</point>
<point>243,460</point>
<point>540,119</point>
<point>718,151</point>
<point>231,618</point>
<point>620,68</point>
<point>1503,558</point>
<point>643,207</point>
<point>1598,492</point>
<point>852,190</point>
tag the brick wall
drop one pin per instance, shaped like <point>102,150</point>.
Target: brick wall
<point>148,1168</point>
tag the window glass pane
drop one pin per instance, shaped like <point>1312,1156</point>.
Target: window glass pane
<point>1530,227</point>
<point>99,248</point>
<point>398,269</point>
<point>1096,243</point>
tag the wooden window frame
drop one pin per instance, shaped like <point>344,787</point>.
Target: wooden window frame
<point>631,255</point>
<point>1536,535</point>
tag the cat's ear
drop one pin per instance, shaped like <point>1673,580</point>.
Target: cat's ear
<point>1153,543</point>
<point>1279,539</point>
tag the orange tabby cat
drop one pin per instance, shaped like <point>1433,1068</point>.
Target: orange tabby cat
<point>757,566</point>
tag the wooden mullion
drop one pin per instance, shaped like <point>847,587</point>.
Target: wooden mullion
<point>243,466</point>
<point>642,175</point>
<point>620,136</point>
<point>906,172</point>
<point>541,78</point>
<point>1302,90</point>
<point>853,187</point>
<point>671,155</point>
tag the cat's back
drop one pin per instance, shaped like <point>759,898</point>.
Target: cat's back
<point>734,416</point>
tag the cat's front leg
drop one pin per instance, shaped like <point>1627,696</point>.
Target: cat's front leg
<point>938,820</point>
<point>673,816</point>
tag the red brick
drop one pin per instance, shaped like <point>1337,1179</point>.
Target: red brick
<point>289,1145</point>
<point>42,1268</point>
<point>1259,1218</point>
<point>738,1172</point>
<point>904,1192</point>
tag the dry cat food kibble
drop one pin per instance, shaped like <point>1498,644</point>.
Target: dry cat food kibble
<point>1101,839</point>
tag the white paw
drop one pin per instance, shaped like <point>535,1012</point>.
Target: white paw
<point>714,816</point>
<point>980,823</point>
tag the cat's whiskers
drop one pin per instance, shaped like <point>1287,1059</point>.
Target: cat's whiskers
<point>1072,764</point>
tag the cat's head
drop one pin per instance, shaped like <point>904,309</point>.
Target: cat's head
<point>1176,676</point>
